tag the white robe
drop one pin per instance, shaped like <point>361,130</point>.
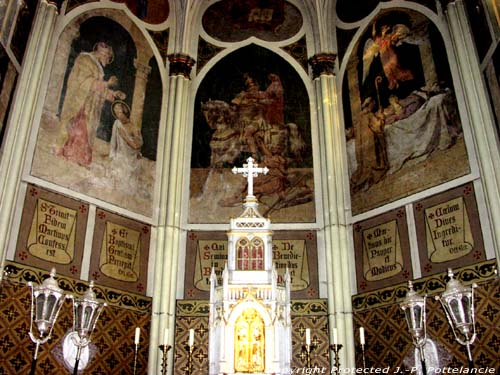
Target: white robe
<point>125,161</point>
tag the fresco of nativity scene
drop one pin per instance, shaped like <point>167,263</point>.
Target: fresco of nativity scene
<point>243,112</point>
<point>99,127</point>
<point>403,131</point>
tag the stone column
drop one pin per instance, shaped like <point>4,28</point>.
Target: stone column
<point>169,229</point>
<point>141,63</point>
<point>21,117</point>
<point>333,168</point>
<point>54,90</point>
<point>478,112</point>
<point>61,57</point>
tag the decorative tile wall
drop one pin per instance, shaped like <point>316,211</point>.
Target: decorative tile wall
<point>113,346</point>
<point>388,341</point>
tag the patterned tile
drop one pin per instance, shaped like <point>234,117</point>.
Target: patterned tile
<point>115,349</point>
<point>389,344</point>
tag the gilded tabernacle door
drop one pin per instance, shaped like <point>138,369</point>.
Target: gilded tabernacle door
<point>249,343</point>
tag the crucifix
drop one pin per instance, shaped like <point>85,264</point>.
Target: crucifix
<point>250,170</point>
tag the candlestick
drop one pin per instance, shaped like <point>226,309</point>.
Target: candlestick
<point>362,342</point>
<point>190,349</point>
<point>164,349</point>
<point>137,335</point>
<point>191,337</point>
<point>136,342</point>
<point>335,348</point>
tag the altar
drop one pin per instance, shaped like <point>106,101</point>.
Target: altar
<point>249,318</point>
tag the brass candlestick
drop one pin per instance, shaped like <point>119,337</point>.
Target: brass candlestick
<point>135,357</point>
<point>189,367</point>
<point>164,349</point>
<point>308,349</point>
<point>363,355</point>
<point>335,348</point>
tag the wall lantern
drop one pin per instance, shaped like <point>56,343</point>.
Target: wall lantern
<point>415,315</point>
<point>46,302</point>
<point>86,311</point>
<point>458,303</point>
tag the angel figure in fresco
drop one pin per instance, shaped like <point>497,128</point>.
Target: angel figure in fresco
<point>125,148</point>
<point>86,93</point>
<point>383,44</point>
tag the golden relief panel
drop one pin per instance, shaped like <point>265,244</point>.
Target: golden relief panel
<point>249,345</point>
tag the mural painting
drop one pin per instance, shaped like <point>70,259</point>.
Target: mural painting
<point>99,128</point>
<point>236,20</point>
<point>492,79</point>
<point>241,112</point>
<point>402,125</point>
<point>8,79</point>
<point>20,35</point>
<point>150,11</point>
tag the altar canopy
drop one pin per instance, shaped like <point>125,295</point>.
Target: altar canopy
<point>250,323</point>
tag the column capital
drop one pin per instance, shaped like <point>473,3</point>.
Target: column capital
<point>142,69</point>
<point>444,3</point>
<point>323,63</point>
<point>180,64</point>
<point>56,3</point>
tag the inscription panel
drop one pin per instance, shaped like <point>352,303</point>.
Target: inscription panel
<point>120,250</point>
<point>295,250</point>
<point>448,230</point>
<point>52,231</point>
<point>381,247</point>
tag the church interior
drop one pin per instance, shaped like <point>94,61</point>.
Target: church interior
<point>231,187</point>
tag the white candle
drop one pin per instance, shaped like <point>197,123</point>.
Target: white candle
<point>335,340</point>
<point>362,335</point>
<point>137,335</point>
<point>308,336</point>
<point>191,337</point>
<point>165,336</point>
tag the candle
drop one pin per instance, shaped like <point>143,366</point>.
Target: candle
<point>335,341</point>
<point>191,337</point>
<point>308,336</point>
<point>165,336</point>
<point>362,335</point>
<point>137,335</point>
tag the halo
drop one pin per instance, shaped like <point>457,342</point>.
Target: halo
<point>112,57</point>
<point>118,102</point>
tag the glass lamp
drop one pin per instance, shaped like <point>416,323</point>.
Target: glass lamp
<point>415,315</point>
<point>86,311</point>
<point>46,302</point>
<point>458,304</point>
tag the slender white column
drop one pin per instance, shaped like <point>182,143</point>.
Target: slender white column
<point>169,230</point>
<point>159,319</point>
<point>481,120</point>
<point>21,118</point>
<point>335,231</point>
